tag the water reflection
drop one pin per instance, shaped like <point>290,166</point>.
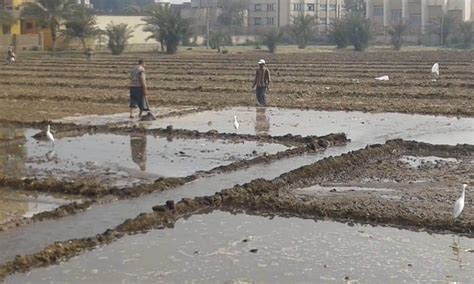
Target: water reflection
<point>458,252</point>
<point>262,121</point>
<point>12,150</point>
<point>9,209</point>
<point>138,146</point>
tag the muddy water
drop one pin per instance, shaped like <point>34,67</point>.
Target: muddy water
<point>31,238</point>
<point>15,205</point>
<point>221,247</point>
<point>120,118</point>
<point>366,127</point>
<point>375,128</point>
<point>141,156</point>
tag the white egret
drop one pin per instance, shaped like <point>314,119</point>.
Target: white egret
<point>49,136</point>
<point>459,205</point>
<point>435,69</point>
<point>236,123</point>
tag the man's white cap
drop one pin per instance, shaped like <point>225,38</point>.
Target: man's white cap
<point>261,61</point>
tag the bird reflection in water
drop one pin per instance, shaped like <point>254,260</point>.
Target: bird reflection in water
<point>262,122</point>
<point>138,145</point>
<point>457,251</point>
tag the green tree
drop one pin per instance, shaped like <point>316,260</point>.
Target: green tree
<point>6,17</point>
<point>167,26</point>
<point>218,39</point>
<point>443,27</point>
<point>118,37</point>
<point>396,31</point>
<point>467,31</point>
<point>49,13</point>
<point>302,29</point>
<point>271,38</point>
<point>81,24</point>
<point>339,33</point>
<point>359,30</point>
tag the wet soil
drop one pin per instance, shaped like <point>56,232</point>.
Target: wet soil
<point>203,247</point>
<point>321,81</point>
<point>89,165</point>
<point>23,207</point>
<point>275,197</point>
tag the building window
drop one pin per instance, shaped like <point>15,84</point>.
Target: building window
<point>332,7</point>
<point>310,7</point>
<point>415,20</point>
<point>258,21</point>
<point>323,7</point>
<point>9,4</point>
<point>270,7</point>
<point>322,21</point>
<point>378,11</point>
<point>258,7</point>
<point>29,25</point>
<point>6,29</point>
<point>269,21</point>
<point>298,7</point>
<point>396,16</point>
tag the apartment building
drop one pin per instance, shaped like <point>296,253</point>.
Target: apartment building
<point>264,14</point>
<point>419,13</point>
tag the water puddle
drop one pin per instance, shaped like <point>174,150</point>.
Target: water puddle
<point>221,247</point>
<point>121,118</point>
<point>430,161</point>
<point>366,127</point>
<point>15,205</point>
<point>137,156</point>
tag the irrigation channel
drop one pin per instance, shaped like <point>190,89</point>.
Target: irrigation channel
<point>247,246</point>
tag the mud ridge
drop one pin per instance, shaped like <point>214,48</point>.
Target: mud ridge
<point>273,197</point>
<point>61,211</point>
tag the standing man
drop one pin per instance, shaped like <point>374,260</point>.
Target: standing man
<point>262,82</point>
<point>11,56</point>
<point>138,90</point>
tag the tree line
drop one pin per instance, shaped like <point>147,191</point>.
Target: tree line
<point>166,26</point>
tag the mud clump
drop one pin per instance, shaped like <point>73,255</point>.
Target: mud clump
<point>275,197</point>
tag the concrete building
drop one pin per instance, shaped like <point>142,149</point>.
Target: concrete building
<point>264,14</point>
<point>419,13</point>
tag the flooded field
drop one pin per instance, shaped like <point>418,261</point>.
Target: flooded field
<point>223,247</point>
<point>16,205</point>
<point>342,179</point>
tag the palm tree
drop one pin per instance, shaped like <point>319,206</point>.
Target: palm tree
<point>49,13</point>
<point>467,31</point>
<point>339,33</point>
<point>118,37</point>
<point>81,24</point>
<point>396,31</point>
<point>167,26</point>
<point>302,29</point>
<point>218,39</point>
<point>443,27</point>
<point>271,39</point>
<point>359,30</point>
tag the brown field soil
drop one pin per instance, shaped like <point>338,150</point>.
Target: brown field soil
<point>278,197</point>
<point>42,87</point>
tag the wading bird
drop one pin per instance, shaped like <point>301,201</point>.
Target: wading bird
<point>435,69</point>
<point>236,123</point>
<point>49,136</point>
<point>459,205</point>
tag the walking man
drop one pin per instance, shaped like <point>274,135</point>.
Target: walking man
<point>11,56</point>
<point>262,82</point>
<point>138,89</point>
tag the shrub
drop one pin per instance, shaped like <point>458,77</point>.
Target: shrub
<point>118,37</point>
